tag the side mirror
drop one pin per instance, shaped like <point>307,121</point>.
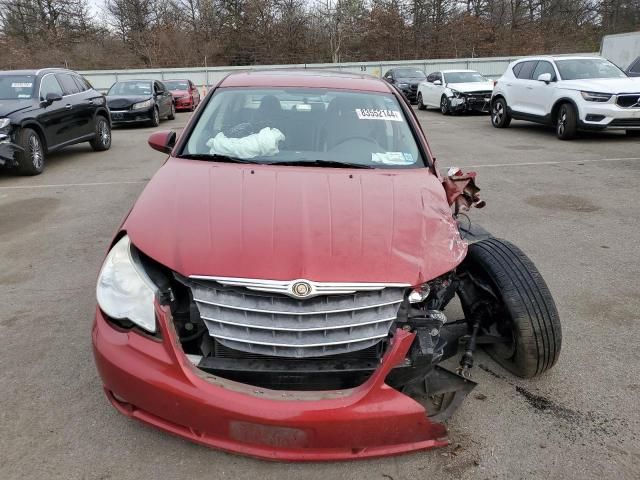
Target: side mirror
<point>52,97</point>
<point>437,82</point>
<point>545,77</point>
<point>163,141</point>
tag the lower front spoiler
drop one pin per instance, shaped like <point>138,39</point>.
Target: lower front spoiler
<point>154,382</point>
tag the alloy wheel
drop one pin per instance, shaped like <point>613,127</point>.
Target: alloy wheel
<point>103,133</point>
<point>35,150</point>
<point>443,105</point>
<point>498,113</point>
<point>562,121</point>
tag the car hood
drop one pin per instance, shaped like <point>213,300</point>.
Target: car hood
<point>179,93</point>
<point>470,87</point>
<point>285,223</point>
<point>410,80</point>
<point>125,101</point>
<point>7,107</point>
<point>604,85</point>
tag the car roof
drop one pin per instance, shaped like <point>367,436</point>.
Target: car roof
<point>559,57</point>
<point>305,78</point>
<point>458,71</point>
<point>35,71</point>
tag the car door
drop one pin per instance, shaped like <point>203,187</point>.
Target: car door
<point>438,88</point>
<point>53,116</point>
<point>163,98</point>
<point>195,93</point>
<point>517,87</point>
<point>540,94</point>
<point>78,119</point>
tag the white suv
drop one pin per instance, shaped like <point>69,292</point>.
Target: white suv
<point>570,93</point>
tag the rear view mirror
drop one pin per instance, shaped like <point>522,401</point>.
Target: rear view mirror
<point>163,141</point>
<point>437,82</point>
<point>544,77</point>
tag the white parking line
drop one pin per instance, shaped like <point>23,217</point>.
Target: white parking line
<point>557,162</point>
<point>67,185</point>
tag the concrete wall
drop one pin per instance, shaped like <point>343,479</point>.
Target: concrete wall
<point>103,79</point>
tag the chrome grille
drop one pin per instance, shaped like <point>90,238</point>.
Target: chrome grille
<point>275,324</point>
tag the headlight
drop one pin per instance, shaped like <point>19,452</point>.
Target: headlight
<point>4,123</point>
<point>140,105</point>
<point>596,97</point>
<point>403,85</point>
<point>456,93</point>
<point>124,290</point>
<point>435,287</point>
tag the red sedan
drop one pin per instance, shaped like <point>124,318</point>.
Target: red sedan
<point>282,286</point>
<point>185,94</point>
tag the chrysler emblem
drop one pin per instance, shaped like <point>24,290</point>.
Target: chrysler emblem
<point>301,289</point>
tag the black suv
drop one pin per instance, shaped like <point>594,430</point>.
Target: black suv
<point>44,110</point>
<point>406,80</point>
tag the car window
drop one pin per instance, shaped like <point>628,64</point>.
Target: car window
<point>527,69</point>
<point>271,125</point>
<point>389,74</point>
<point>586,68</point>
<point>177,84</point>
<point>159,87</point>
<point>79,83</point>
<point>49,84</point>
<point>544,67</point>
<point>635,66</point>
<point>409,73</point>
<point>13,87</point>
<point>69,86</point>
<point>464,77</point>
<point>132,87</point>
<point>516,68</point>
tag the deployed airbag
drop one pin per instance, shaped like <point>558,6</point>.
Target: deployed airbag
<point>261,144</point>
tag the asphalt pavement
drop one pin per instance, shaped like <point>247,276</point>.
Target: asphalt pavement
<point>568,205</point>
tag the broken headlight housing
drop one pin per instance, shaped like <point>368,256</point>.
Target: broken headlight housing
<point>124,290</point>
<point>456,93</point>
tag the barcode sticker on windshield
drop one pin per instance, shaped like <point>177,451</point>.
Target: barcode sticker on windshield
<point>374,114</point>
<point>21,85</point>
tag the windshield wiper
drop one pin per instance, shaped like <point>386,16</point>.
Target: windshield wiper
<point>214,157</point>
<point>321,163</point>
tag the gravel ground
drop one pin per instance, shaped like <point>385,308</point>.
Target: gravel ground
<point>567,204</point>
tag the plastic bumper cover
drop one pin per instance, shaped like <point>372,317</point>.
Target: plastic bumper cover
<point>609,116</point>
<point>153,381</point>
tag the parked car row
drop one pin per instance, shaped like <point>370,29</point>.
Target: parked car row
<point>570,93</point>
<point>44,110</point>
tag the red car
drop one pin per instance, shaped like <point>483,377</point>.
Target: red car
<point>289,281</point>
<point>185,94</point>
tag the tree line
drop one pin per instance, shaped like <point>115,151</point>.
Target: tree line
<point>191,33</point>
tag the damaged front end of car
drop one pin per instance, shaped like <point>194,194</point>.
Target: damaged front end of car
<point>7,146</point>
<point>460,102</point>
<point>295,370</point>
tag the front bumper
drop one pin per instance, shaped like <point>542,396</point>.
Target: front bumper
<point>7,150</point>
<point>184,103</point>
<point>608,116</point>
<point>410,93</point>
<point>131,116</point>
<point>154,382</point>
<point>470,103</point>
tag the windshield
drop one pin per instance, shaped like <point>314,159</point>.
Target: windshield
<point>130,88</point>
<point>409,73</point>
<point>582,68</point>
<point>336,127</point>
<point>177,84</point>
<point>463,77</point>
<point>16,87</point>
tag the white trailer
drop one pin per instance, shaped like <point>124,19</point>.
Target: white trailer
<point>621,49</point>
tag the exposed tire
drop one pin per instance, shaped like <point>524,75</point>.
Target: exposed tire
<point>566,122</point>
<point>31,159</point>
<point>633,133</point>
<point>500,117</point>
<point>172,115</point>
<point>155,118</point>
<point>102,140</point>
<point>527,312</point>
<point>445,105</point>
<point>421,106</point>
